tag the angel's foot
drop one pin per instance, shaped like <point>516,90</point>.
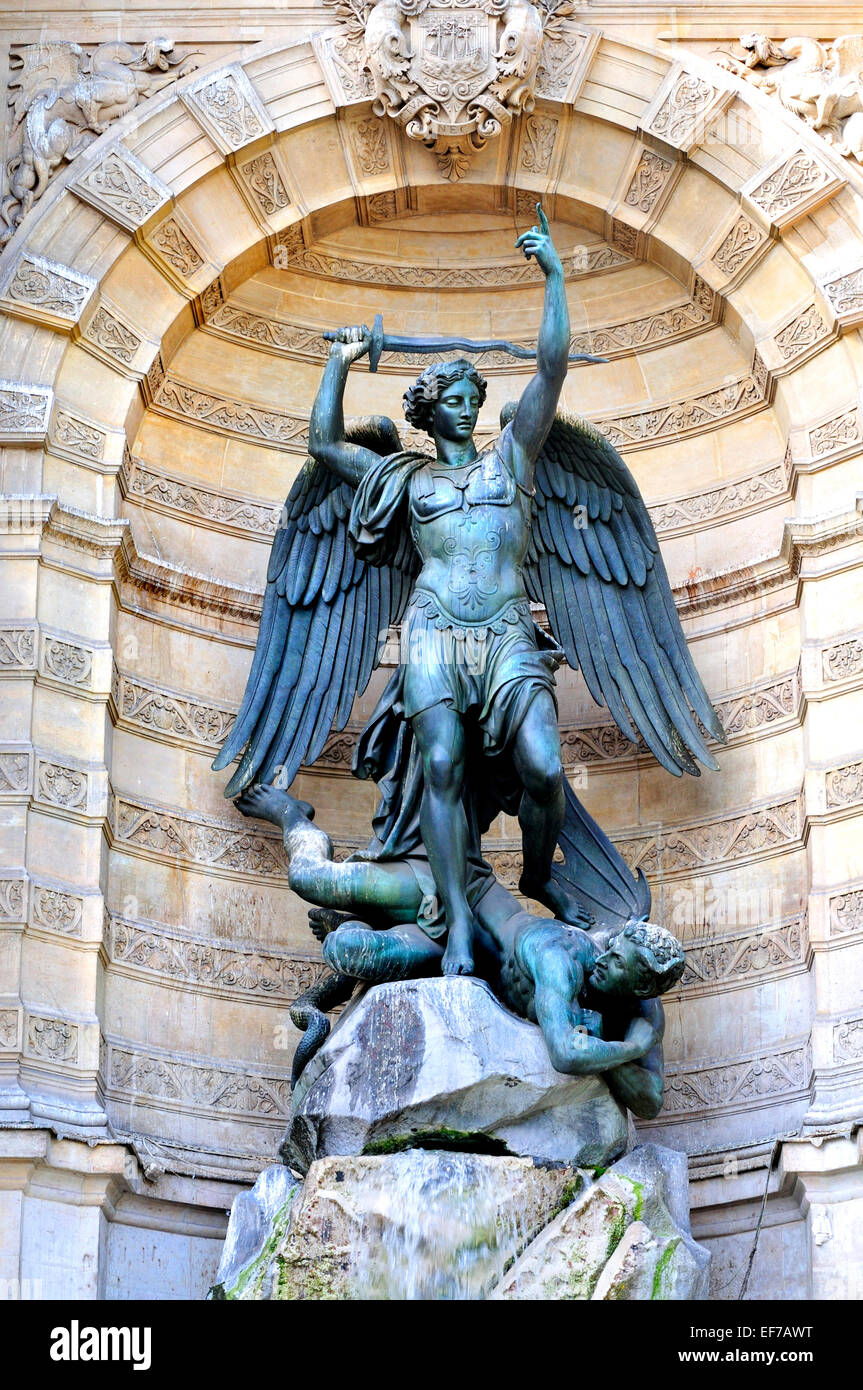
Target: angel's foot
<point>564,905</point>
<point>272,804</point>
<point>458,956</point>
<point>324,920</point>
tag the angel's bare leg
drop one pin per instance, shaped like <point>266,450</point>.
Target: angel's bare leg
<point>536,755</point>
<point>312,871</point>
<point>443,823</point>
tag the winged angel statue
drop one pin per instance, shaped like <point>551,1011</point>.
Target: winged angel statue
<point>454,544</point>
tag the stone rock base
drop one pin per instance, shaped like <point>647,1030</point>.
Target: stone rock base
<point>441,1063</point>
<point>433,1224</point>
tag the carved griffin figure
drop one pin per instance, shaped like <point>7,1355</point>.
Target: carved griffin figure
<point>65,99</point>
<point>822,83</point>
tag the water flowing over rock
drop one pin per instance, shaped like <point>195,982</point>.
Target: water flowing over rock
<point>438,1225</point>
<point>440,1062</point>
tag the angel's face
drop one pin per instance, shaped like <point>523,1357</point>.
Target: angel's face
<point>456,411</point>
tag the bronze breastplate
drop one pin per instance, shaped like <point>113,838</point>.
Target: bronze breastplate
<point>470,526</point>
<point>485,482</point>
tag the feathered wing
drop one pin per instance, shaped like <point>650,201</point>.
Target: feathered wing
<point>324,621</point>
<point>595,873</point>
<point>599,573</point>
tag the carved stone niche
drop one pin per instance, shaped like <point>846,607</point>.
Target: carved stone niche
<point>452,73</point>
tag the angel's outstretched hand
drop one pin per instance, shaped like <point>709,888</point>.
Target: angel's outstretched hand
<point>537,242</point>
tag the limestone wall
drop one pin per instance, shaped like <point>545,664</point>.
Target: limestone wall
<point>160,341</point>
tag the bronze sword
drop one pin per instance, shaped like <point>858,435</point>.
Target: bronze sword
<point>393,342</point>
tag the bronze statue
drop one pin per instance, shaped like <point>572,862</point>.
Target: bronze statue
<point>455,546</point>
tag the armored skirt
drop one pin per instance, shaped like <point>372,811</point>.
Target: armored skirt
<point>490,670</point>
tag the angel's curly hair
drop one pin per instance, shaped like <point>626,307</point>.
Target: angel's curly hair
<point>419,399</point>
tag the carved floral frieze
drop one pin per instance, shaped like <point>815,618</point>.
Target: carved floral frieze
<point>846,912</point>
<point>122,187</point>
<point>848,1041</point>
<point>840,432</point>
<point>639,429</point>
<point>684,106</point>
<point>66,662</point>
<point>44,290</point>
<point>17,648</point>
<point>290,251</point>
<point>262,181</point>
<point>229,848</point>
<point>60,786</point>
<point>77,438</point>
<point>746,957</point>
<point>765,830</point>
<point>844,786</point>
<point>169,715</point>
<point>57,911</point>
<point>697,413</point>
<point>718,503</point>
<point>50,1039</point>
<point>12,891</point>
<point>842,660</point>
<point>24,410</point>
<point>8,1030</point>
<point>227,106</point>
<point>175,246</point>
<point>200,961</point>
<point>206,505</point>
<point>649,180</point>
<point>615,340</point>
<point>791,187</point>
<point>14,772</point>
<point>192,1085</point>
<point>742,1083</point>
<point>740,246</point>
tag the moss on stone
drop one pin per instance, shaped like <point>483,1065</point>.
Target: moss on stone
<point>638,1188</point>
<point>252,1276</point>
<point>658,1290</point>
<point>571,1190</point>
<point>459,1140</point>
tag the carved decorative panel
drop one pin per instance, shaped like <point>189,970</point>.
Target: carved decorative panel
<point>227,107</point>
<point>122,187</point>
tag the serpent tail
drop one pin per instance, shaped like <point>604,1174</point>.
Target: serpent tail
<point>309,1014</point>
